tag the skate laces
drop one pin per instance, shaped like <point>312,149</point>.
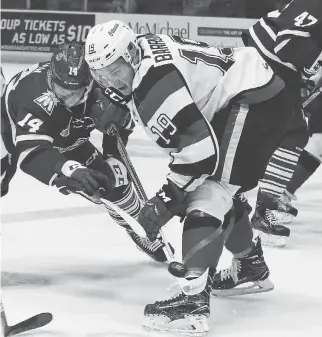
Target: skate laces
<point>232,271</point>
<point>271,218</point>
<point>176,294</point>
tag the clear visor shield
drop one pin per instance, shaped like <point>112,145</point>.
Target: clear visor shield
<point>69,97</point>
<point>107,77</point>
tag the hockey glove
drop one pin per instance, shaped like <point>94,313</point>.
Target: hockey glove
<point>82,178</point>
<point>106,114</point>
<point>160,209</point>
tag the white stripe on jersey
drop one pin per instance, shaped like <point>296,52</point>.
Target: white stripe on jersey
<point>268,29</point>
<point>267,52</point>
<point>294,32</point>
<point>194,152</point>
<point>172,105</point>
<point>234,141</point>
<point>22,138</point>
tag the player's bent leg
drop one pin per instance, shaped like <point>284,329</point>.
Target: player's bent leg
<point>203,240</point>
<point>248,272</point>
<point>187,311</point>
<point>280,170</point>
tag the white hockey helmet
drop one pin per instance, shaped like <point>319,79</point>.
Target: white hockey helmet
<point>107,42</point>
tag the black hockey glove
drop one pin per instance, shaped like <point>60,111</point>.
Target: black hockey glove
<point>106,114</point>
<point>160,209</point>
<point>77,177</point>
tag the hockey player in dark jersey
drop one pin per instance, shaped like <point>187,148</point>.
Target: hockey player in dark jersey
<point>219,114</point>
<point>311,156</point>
<point>290,41</point>
<point>48,112</point>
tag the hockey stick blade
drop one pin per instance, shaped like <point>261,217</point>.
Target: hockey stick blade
<point>31,323</point>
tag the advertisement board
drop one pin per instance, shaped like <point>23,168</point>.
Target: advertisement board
<point>219,32</point>
<point>42,31</point>
<point>38,31</point>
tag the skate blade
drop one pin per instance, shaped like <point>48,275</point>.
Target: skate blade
<point>253,288</point>
<point>269,240</point>
<point>188,326</point>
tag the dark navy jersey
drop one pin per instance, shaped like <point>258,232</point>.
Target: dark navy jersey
<point>291,37</point>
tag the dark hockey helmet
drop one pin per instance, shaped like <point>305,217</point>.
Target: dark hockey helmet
<point>69,76</point>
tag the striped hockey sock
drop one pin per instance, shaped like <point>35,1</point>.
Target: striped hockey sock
<point>279,171</point>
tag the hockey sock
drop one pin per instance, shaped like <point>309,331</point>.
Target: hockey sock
<point>279,171</point>
<point>203,240</point>
<point>240,238</point>
<point>126,198</point>
<point>307,165</point>
<point>283,162</point>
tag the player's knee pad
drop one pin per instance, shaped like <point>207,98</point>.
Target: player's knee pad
<point>126,198</point>
<point>212,198</point>
<point>314,146</point>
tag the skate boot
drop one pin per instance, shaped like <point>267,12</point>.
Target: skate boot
<point>244,200</point>
<point>246,275</point>
<point>285,212</point>
<point>182,314</point>
<point>153,249</point>
<point>272,232</point>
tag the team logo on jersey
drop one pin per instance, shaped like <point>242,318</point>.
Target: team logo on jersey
<point>47,101</point>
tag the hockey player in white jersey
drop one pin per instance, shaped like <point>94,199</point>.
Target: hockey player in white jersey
<point>219,114</point>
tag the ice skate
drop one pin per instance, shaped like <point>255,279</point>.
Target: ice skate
<point>285,212</point>
<point>153,249</point>
<point>246,275</point>
<point>272,232</point>
<point>182,314</point>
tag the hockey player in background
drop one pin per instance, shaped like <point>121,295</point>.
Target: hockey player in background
<point>47,116</point>
<point>311,156</point>
<point>219,114</point>
<point>290,41</point>
<point>4,152</point>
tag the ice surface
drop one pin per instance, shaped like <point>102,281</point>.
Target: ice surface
<point>64,255</point>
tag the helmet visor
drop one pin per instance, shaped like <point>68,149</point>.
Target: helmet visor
<point>68,97</point>
<point>105,77</point>
<point>118,75</point>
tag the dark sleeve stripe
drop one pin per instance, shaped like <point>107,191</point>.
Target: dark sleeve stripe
<point>153,76</point>
<point>261,94</point>
<point>196,169</point>
<point>186,117</point>
<point>159,92</point>
<point>193,134</point>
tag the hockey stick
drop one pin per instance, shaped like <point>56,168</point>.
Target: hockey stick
<point>139,189</point>
<point>31,323</point>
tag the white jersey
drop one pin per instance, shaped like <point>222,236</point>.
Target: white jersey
<point>180,86</point>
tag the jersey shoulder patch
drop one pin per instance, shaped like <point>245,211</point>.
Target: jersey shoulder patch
<point>47,101</point>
